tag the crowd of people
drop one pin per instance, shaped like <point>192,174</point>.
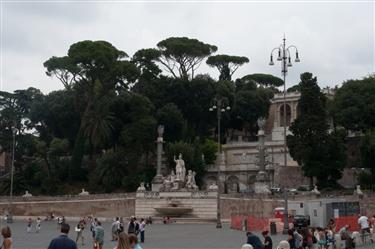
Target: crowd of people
<point>126,234</point>
<point>318,238</point>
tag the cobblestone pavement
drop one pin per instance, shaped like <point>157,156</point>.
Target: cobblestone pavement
<point>158,236</point>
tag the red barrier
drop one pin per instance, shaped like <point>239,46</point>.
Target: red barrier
<point>236,222</point>
<point>347,220</point>
<point>257,224</point>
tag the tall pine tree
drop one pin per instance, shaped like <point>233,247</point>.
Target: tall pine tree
<point>320,153</point>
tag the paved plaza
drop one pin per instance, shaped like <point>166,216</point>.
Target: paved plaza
<point>158,236</point>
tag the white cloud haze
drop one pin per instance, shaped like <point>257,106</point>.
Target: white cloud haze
<point>335,40</point>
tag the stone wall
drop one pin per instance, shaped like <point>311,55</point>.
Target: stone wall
<point>109,206</point>
<point>106,206</point>
<point>257,207</point>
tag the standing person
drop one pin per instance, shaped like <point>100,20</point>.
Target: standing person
<point>142,228</point>
<point>123,241</point>
<point>114,228</point>
<point>134,241</point>
<point>345,236</point>
<point>291,240</point>
<point>137,227</point>
<point>7,240</point>
<point>79,229</point>
<point>93,226</point>
<point>63,241</point>
<point>364,226</point>
<point>267,240</point>
<point>38,225</point>
<point>322,241</point>
<point>372,222</point>
<point>254,240</point>
<point>99,236</point>
<point>29,225</point>
<point>131,226</point>
<point>121,226</point>
<point>332,225</point>
<point>310,238</point>
<point>298,239</point>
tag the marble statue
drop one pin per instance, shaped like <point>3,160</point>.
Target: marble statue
<point>358,191</point>
<point>172,176</point>
<point>160,130</point>
<point>213,186</point>
<point>27,194</point>
<point>189,179</point>
<point>83,192</point>
<point>222,158</point>
<point>141,187</point>
<point>180,168</point>
<point>315,190</point>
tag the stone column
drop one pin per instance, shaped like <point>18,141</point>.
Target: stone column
<point>157,182</point>
<point>260,186</point>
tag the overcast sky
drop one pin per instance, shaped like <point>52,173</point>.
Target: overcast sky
<point>335,40</point>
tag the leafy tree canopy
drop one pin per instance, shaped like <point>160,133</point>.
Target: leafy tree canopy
<point>265,80</point>
<point>354,105</point>
<point>182,56</point>
<point>321,154</point>
<point>226,64</point>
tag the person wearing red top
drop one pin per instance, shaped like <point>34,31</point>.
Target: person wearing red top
<point>372,224</point>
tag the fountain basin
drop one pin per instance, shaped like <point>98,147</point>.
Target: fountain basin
<point>173,211</point>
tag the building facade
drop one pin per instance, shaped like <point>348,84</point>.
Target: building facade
<point>239,159</point>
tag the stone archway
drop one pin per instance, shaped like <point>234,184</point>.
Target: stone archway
<point>232,184</point>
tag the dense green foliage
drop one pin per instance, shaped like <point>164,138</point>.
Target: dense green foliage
<point>321,154</point>
<point>226,64</point>
<point>99,131</point>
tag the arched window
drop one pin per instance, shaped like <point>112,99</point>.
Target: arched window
<point>288,115</point>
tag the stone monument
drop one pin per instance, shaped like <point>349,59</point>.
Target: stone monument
<point>358,191</point>
<point>176,194</point>
<point>261,184</point>
<point>84,192</point>
<point>157,182</point>
<point>27,194</point>
<point>179,181</point>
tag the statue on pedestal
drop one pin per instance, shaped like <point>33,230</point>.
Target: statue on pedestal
<point>213,187</point>
<point>358,191</point>
<point>190,180</point>
<point>27,194</point>
<point>83,192</point>
<point>141,187</point>
<point>180,168</point>
<point>315,191</point>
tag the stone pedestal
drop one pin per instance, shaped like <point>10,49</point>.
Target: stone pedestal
<point>157,183</point>
<point>261,186</point>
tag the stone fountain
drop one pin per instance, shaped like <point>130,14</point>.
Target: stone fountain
<point>176,194</point>
<point>174,209</point>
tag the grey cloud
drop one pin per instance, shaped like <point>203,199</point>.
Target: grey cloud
<point>335,40</point>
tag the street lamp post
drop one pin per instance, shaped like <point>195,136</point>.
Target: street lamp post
<point>220,106</point>
<point>284,56</point>
<point>10,215</point>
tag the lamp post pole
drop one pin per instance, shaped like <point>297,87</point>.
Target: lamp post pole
<point>10,215</point>
<point>285,57</point>
<point>220,106</point>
